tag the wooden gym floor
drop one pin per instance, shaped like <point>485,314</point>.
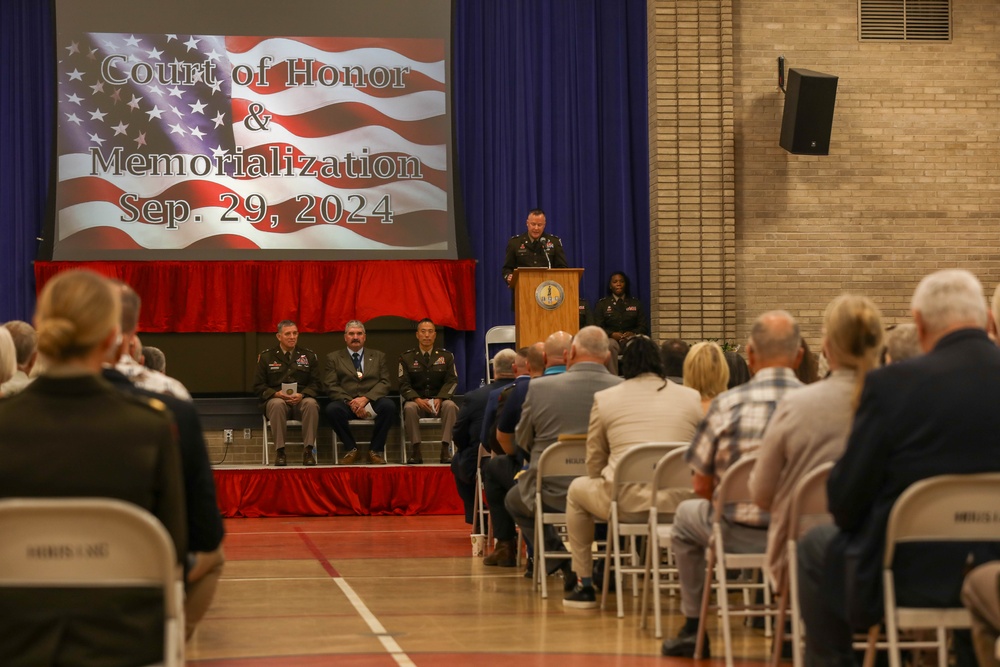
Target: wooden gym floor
<point>385,591</point>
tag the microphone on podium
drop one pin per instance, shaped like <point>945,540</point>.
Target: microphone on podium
<point>545,249</point>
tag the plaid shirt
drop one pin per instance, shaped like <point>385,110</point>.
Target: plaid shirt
<point>734,426</point>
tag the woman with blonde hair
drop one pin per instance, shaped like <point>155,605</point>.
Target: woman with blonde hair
<point>811,425</point>
<point>8,356</point>
<point>706,371</point>
<point>71,434</point>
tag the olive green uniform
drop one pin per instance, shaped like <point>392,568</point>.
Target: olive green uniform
<point>427,376</point>
<point>274,368</point>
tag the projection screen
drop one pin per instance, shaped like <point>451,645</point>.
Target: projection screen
<point>223,130</point>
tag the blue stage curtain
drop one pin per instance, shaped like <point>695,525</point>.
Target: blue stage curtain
<point>550,109</point>
<point>27,71</point>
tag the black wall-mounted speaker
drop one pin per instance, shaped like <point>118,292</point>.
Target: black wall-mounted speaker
<point>808,115</point>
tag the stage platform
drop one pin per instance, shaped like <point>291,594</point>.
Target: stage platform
<point>260,491</point>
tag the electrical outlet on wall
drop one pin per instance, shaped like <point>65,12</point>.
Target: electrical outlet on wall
<point>227,436</point>
<point>247,434</point>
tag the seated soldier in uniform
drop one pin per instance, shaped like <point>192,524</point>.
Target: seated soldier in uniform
<point>287,382</point>
<point>427,382</point>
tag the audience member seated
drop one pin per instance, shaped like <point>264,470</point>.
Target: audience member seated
<point>357,378</point>
<point>933,415</point>
<point>553,406</point>
<point>620,315</point>
<point>810,426</point>
<point>427,383</point>
<point>732,428</point>
<point>153,358</point>
<point>808,370</point>
<point>706,371</point>
<point>205,555</point>
<point>901,343</point>
<point>287,383</point>
<point>128,366</point>
<point>739,372</point>
<point>499,471</point>
<point>673,353</point>
<point>70,434</point>
<point>469,428</point>
<point>26,349</point>
<point>981,596</point>
<point>644,408</point>
<point>8,357</point>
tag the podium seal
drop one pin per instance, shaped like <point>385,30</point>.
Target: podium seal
<point>549,295</point>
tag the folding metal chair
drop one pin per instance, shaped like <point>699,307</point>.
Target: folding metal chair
<point>733,488</point>
<point>635,467</point>
<point>291,423</point>
<point>671,472</point>
<point>499,335</point>
<point>946,508</point>
<point>808,509</point>
<point>115,544</point>
<point>566,457</point>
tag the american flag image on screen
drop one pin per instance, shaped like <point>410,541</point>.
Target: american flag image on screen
<point>209,143</point>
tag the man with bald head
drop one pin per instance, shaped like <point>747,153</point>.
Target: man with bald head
<point>554,405</point>
<point>733,427</point>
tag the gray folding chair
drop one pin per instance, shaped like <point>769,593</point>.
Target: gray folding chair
<point>565,457</point>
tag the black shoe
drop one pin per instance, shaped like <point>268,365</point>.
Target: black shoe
<point>529,570</point>
<point>415,457</point>
<point>279,458</point>
<point>581,597</point>
<point>569,580</point>
<point>682,646</point>
<point>309,456</point>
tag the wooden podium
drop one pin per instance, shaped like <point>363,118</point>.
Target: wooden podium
<point>545,301</point>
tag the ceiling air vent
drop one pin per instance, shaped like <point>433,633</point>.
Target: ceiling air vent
<point>905,20</point>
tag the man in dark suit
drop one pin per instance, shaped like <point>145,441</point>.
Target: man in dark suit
<point>931,415</point>
<point>357,379</point>
<point>469,426</point>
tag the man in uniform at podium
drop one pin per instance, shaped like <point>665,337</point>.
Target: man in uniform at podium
<point>534,248</point>
<point>427,382</point>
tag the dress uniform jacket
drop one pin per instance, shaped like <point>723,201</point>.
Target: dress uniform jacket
<point>522,251</point>
<point>624,314</point>
<point>79,437</point>
<point>275,368</point>
<point>342,381</point>
<point>432,378</point>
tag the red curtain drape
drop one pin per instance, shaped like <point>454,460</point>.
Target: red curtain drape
<point>220,297</point>
<point>336,491</point>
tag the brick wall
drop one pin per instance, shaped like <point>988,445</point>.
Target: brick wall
<point>912,182</point>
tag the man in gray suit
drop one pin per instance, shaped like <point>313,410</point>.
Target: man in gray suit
<point>357,379</point>
<point>557,404</point>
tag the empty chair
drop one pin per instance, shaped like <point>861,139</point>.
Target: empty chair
<point>499,335</point>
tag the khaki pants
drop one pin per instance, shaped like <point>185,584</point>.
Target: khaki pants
<point>589,498</point>
<point>200,587</point>
<point>981,596</point>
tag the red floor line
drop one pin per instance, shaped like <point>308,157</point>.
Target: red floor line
<point>317,553</point>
